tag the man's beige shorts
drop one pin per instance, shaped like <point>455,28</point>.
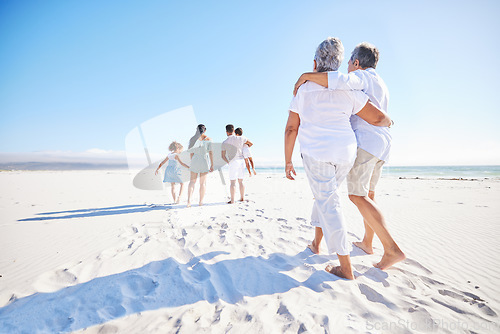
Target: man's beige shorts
<point>364,174</point>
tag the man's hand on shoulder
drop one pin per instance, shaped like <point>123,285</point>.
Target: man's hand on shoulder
<point>321,78</point>
<point>302,80</point>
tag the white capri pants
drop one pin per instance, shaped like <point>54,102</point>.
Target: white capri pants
<point>325,179</point>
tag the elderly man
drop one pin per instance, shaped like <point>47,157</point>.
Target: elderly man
<point>320,119</point>
<point>374,144</point>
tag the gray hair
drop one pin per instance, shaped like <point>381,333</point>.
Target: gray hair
<point>367,55</point>
<point>329,55</point>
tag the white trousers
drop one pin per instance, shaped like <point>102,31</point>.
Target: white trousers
<point>325,179</point>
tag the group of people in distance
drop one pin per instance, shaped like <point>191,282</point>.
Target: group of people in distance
<point>235,151</point>
<point>343,130</point>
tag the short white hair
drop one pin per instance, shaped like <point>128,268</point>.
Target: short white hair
<point>367,55</point>
<point>329,55</point>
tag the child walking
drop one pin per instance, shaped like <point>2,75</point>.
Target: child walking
<point>173,171</point>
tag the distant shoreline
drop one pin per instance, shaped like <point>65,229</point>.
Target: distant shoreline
<point>479,172</point>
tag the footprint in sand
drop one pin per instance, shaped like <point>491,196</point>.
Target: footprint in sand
<point>138,286</point>
<point>372,273</point>
<point>375,297</point>
<point>417,264</point>
<point>470,299</point>
<point>181,242</point>
<point>420,315</point>
<point>54,280</point>
<point>284,312</point>
<point>222,235</point>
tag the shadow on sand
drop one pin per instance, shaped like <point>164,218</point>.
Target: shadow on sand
<point>160,284</point>
<point>110,211</point>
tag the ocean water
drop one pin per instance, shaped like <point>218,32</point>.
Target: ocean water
<point>433,172</point>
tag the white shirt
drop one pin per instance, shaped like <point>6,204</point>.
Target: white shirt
<point>375,140</point>
<point>233,146</point>
<point>325,132</point>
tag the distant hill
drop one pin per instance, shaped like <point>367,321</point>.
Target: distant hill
<point>60,166</point>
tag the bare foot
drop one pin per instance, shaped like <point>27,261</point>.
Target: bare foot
<point>365,248</point>
<point>188,205</point>
<point>390,259</point>
<point>313,247</point>
<point>337,271</point>
<point>254,173</point>
<point>242,200</point>
<point>201,204</point>
<point>230,202</point>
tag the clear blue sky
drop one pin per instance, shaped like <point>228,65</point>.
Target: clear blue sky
<point>79,75</point>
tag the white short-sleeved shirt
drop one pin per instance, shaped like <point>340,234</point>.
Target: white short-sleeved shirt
<point>375,140</point>
<point>325,132</point>
<point>233,146</point>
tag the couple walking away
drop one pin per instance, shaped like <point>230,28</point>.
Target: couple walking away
<point>343,131</point>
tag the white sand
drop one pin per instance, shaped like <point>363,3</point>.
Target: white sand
<point>85,251</point>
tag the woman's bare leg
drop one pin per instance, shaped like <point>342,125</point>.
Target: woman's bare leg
<point>318,235</point>
<point>345,268</point>
<point>192,182</point>
<point>203,183</point>
<point>180,194</point>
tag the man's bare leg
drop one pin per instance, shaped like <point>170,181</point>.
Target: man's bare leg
<point>373,216</point>
<point>192,182</point>
<point>242,190</point>
<point>232,190</point>
<point>318,235</point>
<point>345,268</point>
<point>366,244</point>
<point>203,185</point>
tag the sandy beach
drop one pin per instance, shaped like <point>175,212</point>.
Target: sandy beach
<point>84,251</point>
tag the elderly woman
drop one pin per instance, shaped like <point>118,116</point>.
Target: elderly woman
<point>320,118</point>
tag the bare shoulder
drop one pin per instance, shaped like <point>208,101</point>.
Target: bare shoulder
<point>207,139</point>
